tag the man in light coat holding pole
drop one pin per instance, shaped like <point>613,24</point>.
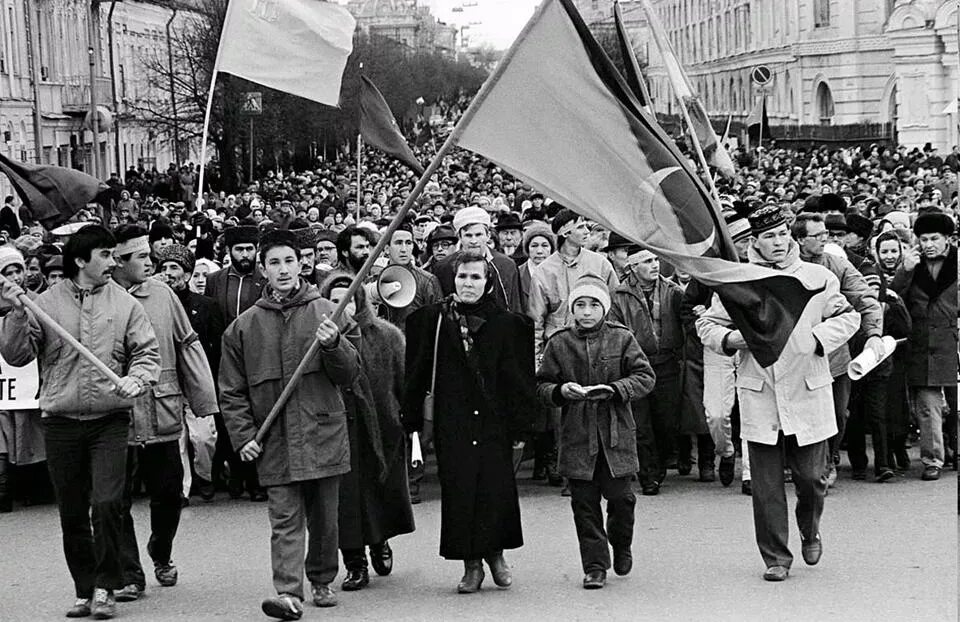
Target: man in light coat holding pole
<point>787,409</point>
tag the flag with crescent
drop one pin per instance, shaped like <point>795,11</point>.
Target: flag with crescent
<point>713,149</point>
<point>557,114</point>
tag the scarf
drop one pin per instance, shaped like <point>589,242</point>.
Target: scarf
<point>282,299</point>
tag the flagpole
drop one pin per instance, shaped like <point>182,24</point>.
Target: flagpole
<point>763,109</point>
<point>435,163</point>
<point>206,114</point>
<point>359,156</point>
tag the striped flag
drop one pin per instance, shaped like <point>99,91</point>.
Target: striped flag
<point>558,115</point>
<point>295,46</point>
<point>714,151</point>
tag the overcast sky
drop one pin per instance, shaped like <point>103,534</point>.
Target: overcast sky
<point>489,21</point>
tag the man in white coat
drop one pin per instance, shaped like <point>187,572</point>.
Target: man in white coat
<point>786,409</point>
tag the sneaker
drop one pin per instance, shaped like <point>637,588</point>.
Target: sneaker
<point>103,606</point>
<point>129,593</point>
<point>282,607</point>
<point>324,596</point>
<point>166,573</point>
<point>80,609</point>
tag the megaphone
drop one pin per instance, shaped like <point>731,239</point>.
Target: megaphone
<point>396,286</point>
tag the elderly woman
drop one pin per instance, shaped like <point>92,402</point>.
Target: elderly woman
<point>476,359</point>
<point>374,496</point>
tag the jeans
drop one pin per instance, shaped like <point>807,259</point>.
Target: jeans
<point>770,519</point>
<point>87,460</point>
<point>161,471</point>
<point>929,406</point>
<point>585,496</point>
<point>311,505</point>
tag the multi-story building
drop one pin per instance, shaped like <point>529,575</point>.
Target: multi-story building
<point>407,23</point>
<point>45,82</point>
<point>889,66</point>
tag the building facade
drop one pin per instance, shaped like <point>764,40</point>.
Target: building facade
<point>406,22</point>
<point>891,64</point>
<point>45,82</point>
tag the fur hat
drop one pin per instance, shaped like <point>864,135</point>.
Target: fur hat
<point>179,254</point>
<point>934,222</point>
<point>243,234</point>
<point>592,286</point>
<point>307,237</point>
<point>861,225</point>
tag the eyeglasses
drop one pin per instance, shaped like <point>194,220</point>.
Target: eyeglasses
<point>819,236</point>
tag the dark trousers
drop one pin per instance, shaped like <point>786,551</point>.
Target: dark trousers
<point>770,519</point>
<point>585,496</point>
<point>657,417</point>
<point>243,475</point>
<point>161,470</point>
<point>841,400</point>
<point>706,450</point>
<point>868,406</point>
<point>310,505</point>
<point>87,460</point>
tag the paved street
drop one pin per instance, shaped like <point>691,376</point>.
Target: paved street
<point>890,554</point>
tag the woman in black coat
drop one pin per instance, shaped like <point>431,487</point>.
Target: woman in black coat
<point>485,398</point>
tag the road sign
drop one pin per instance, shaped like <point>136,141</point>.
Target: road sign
<point>761,75</point>
<point>252,102</point>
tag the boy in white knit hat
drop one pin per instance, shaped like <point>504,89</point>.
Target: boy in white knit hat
<point>594,370</point>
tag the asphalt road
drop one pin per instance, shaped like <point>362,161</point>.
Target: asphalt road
<point>890,553</point>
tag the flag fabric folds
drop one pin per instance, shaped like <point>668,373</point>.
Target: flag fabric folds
<point>295,46</point>
<point>714,151</point>
<point>557,114</point>
<point>52,193</point>
<point>633,76</point>
<point>379,128</point>
<point>758,125</point>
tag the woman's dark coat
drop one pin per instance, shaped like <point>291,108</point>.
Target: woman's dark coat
<point>478,415</point>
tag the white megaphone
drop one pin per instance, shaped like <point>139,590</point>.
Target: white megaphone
<point>396,286</point>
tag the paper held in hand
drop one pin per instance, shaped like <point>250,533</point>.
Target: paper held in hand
<point>864,364</point>
<point>416,453</point>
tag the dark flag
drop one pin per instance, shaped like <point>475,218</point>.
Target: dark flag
<point>379,128</point>
<point>616,166</point>
<point>52,194</point>
<point>633,76</point>
<point>758,125</point>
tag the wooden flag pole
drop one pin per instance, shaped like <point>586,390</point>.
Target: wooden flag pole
<point>359,164</point>
<point>435,163</point>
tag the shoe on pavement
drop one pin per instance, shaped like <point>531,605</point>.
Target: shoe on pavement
<point>258,496</point>
<point>930,474</point>
<point>776,573</point>
<point>812,550</point>
<point>166,573</point>
<point>103,606</point>
<point>859,474</point>
<point>831,476</point>
<point>80,609</point>
<point>622,561</point>
<point>595,579</point>
<point>727,466</point>
<point>381,558</point>
<point>324,596</point>
<point>885,475</point>
<point>565,491</point>
<point>746,488</point>
<point>282,607</point>
<point>356,580</point>
<point>472,576</point>
<point>499,570</point>
<point>708,474</point>
<point>128,594</point>
<point>684,467</point>
<point>650,490</point>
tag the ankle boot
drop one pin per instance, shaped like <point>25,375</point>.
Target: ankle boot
<point>499,570</point>
<point>472,576</point>
<point>6,493</point>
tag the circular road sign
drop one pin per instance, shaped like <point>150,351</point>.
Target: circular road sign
<point>761,75</point>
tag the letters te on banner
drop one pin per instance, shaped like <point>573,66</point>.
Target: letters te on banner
<point>19,386</point>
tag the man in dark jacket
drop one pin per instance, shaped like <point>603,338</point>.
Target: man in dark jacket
<point>927,282</point>
<point>235,289</point>
<point>400,253</point>
<point>307,449</point>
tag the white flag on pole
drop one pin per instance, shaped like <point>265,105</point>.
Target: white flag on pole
<point>296,46</point>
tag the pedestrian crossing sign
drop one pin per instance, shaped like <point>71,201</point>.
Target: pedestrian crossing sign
<point>252,102</point>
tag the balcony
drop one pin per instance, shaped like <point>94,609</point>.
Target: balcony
<point>75,96</point>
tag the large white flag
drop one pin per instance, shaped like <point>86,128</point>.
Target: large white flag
<point>295,46</point>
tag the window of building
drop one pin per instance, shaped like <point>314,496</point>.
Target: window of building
<point>825,108</point>
<point>821,13</point>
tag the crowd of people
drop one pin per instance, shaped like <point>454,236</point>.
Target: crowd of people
<point>531,333</point>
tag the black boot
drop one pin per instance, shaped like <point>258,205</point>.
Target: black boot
<point>6,499</point>
<point>472,576</point>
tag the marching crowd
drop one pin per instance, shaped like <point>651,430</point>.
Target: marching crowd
<point>530,333</point>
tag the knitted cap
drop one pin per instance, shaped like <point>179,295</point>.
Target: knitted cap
<point>179,254</point>
<point>470,216</point>
<point>591,286</point>
<point>541,230</point>
<point>10,256</point>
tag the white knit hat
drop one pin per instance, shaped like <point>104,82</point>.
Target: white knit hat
<point>470,216</point>
<point>10,256</point>
<point>592,286</point>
